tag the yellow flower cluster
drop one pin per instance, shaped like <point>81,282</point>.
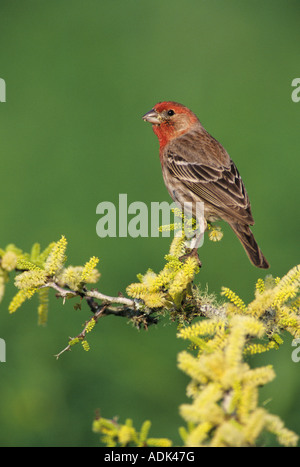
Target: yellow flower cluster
<point>91,324</point>
<point>20,297</point>
<point>224,389</point>
<point>276,304</point>
<point>168,288</point>
<point>85,345</point>
<point>114,434</point>
<point>37,268</point>
<point>32,278</point>
<point>89,269</point>
<point>234,298</point>
<point>8,262</point>
<point>56,258</point>
<point>215,233</point>
<point>75,276</point>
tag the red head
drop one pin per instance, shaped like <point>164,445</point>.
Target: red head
<point>169,120</point>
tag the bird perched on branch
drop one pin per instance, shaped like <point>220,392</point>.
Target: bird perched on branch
<point>196,167</point>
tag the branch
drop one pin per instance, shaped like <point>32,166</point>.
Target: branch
<point>106,298</point>
<point>126,308</point>
<point>138,316</point>
<point>88,326</point>
<point>61,291</point>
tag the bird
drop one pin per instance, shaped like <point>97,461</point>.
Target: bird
<point>196,167</point>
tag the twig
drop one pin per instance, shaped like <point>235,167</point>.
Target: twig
<point>62,292</point>
<point>82,334</point>
<point>124,307</point>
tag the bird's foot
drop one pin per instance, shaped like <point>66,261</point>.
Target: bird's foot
<point>191,253</point>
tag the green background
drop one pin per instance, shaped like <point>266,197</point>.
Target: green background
<point>79,76</point>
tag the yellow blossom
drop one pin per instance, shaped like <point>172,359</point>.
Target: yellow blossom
<point>260,286</point>
<point>85,345</point>
<point>89,268</point>
<point>56,258</point>
<point>126,434</point>
<point>233,297</point>
<point>20,298</point>
<point>215,233</point>
<point>90,325</point>
<point>9,261</point>
<point>28,279</point>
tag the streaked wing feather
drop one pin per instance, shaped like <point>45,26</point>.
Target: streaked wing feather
<point>220,186</point>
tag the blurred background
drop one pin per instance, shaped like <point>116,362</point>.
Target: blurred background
<point>79,76</point>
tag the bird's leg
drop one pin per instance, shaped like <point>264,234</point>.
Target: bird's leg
<point>192,244</point>
<point>191,253</point>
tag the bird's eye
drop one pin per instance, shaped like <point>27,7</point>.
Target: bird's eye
<point>171,112</point>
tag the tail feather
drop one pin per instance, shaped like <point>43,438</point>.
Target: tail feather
<point>248,241</point>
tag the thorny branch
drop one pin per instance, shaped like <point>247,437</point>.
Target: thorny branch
<point>141,316</point>
<point>82,334</point>
<point>126,307</point>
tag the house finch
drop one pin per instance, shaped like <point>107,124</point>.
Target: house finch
<point>196,167</point>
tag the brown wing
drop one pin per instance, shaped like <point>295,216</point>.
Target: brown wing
<point>217,185</point>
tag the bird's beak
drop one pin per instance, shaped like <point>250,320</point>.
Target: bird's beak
<point>152,117</point>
